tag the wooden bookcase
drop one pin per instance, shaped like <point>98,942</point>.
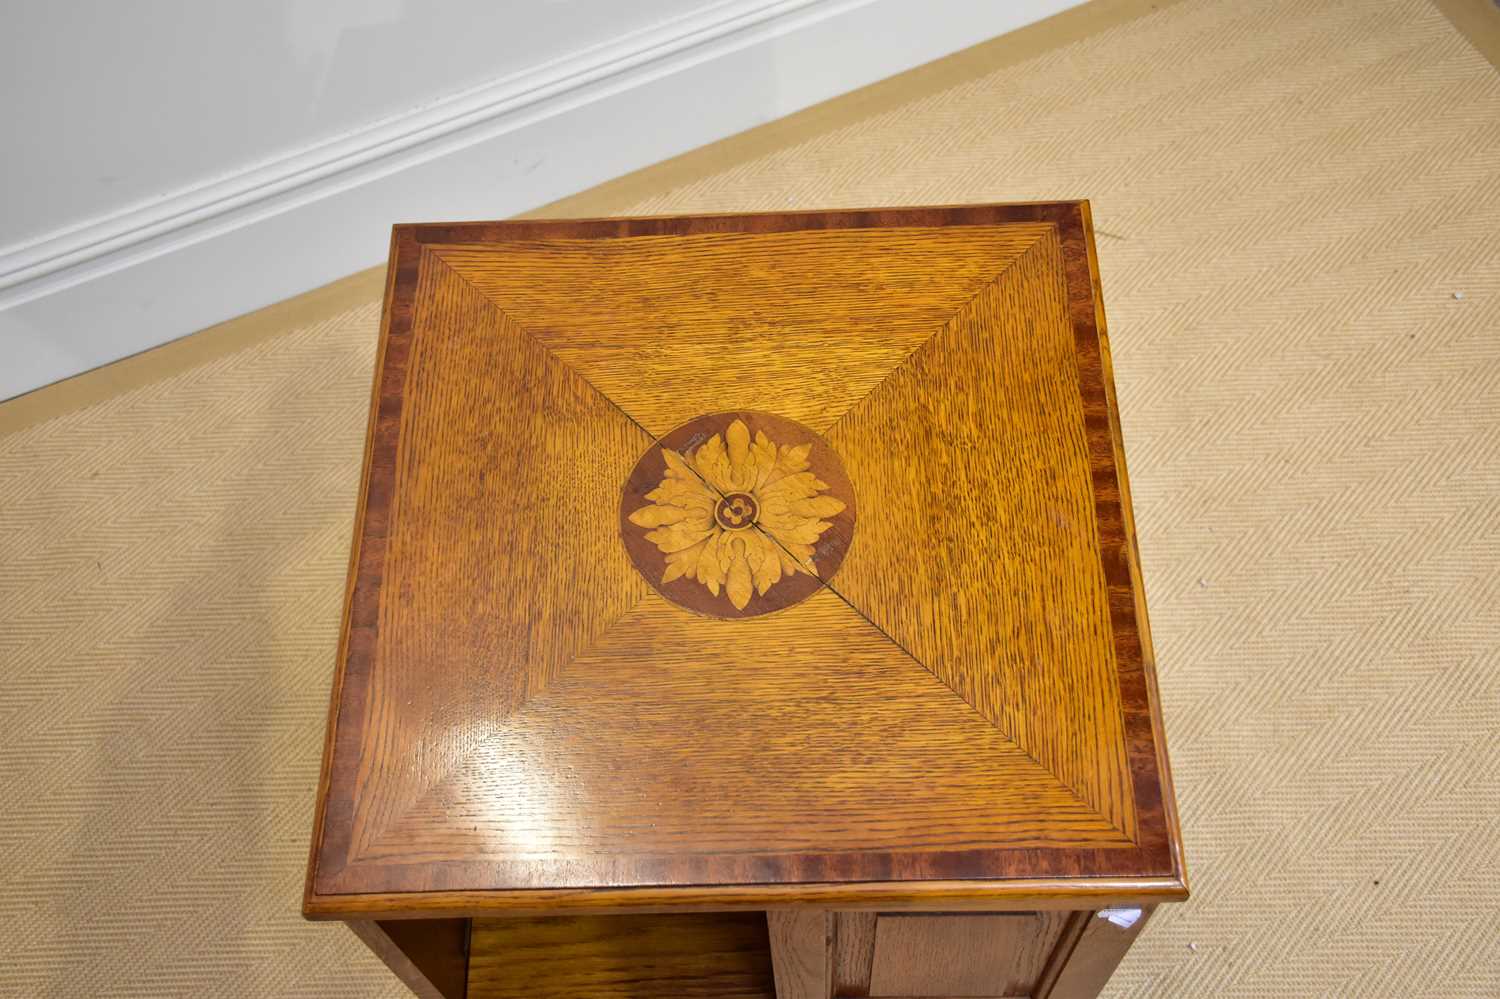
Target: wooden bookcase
<point>744,603</point>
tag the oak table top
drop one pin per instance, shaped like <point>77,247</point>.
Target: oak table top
<point>740,561</point>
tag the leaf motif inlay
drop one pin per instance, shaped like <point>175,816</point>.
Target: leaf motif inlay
<point>737,514</point>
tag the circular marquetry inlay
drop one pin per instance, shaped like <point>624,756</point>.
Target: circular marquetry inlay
<point>738,514</point>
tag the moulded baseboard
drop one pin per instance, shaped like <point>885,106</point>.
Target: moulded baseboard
<point>136,279</point>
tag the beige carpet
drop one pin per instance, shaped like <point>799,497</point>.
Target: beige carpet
<point>1299,209</point>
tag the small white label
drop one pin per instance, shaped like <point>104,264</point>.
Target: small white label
<point>1123,918</point>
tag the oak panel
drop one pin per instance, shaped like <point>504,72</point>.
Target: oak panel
<point>955,956</point>
<point>1092,954</point>
<point>853,952</point>
<point>687,769</point>
<point>526,459</point>
<point>429,956</point>
<point>984,559</point>
<point>802,323</point>
<point>709,956</point>
<point>800,952</point>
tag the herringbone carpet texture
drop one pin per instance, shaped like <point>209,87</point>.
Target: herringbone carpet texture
<point>1299,214</point>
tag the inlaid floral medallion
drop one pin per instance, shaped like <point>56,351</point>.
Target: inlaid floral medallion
<point>738,514</point>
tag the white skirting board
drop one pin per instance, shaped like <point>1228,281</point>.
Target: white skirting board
<point>118,285</point>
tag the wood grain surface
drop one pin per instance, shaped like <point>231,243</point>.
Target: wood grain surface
<point>740,745</point>
<point>982,555</point>
<point>671,327</point>
<point>709,956</point>
<point>1087,955</point>
<point>430,956</point>
<point>801,952</point>
<point>955,956</point>
<point>983,895</point>
<point>521,472</point>
<point>520,721</point>
<point>853,952</point>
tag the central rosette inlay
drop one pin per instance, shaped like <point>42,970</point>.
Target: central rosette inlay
<point>736,511</point>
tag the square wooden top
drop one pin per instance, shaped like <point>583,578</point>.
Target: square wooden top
<point>744,560</point>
